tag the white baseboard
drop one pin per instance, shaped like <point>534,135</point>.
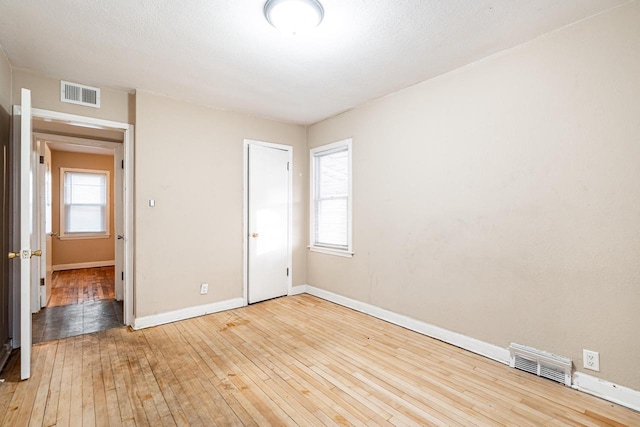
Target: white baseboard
<point>476,346</point>
<point>607,390</point>
<point>186,313</point>
<point>77,265</point>
<point>297,290</point>
<point>586,383</point>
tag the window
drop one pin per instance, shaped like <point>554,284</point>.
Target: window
<point>84,203</point>
<point>331,199</point>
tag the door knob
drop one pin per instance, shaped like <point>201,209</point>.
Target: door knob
<point>13,255</point>
<point>37,252</point>
<point>120,237</point>
<point>254,235</point>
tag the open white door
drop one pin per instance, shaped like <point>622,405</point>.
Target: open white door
<point>47,253</point>
<point>26,227</point>
<point>38,237</point>
<point>118,209</point>
<point>268,223</point>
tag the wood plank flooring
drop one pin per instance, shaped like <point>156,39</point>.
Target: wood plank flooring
<point>81,285</point>
<point>290,361</point>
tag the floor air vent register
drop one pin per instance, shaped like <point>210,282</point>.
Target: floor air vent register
<point>541,363</point>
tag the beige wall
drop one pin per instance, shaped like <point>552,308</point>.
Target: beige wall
<point>189,159</point>
<point>81,250</point>
<point>501,200</point>
<point>115,105</point>
<point>5,82</point>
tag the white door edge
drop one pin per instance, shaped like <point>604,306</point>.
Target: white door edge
<point>26,218</point>
<point>245,214</point>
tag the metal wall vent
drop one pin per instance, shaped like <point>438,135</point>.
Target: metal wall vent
<point>541,363</point>
<point>75,93</point>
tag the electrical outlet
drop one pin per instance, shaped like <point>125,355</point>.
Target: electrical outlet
<point>591,360</point>
<point>204,288</point>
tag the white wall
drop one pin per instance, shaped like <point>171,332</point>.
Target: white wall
<point>189,159</point>
<point>501,200</point>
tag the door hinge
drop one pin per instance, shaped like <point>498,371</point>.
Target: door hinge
<point>287,271</point>
<point>42,281</point>
<point>287,165</point>
<point>42,160</point>
<point>122,164</point>
<point>122,275</point>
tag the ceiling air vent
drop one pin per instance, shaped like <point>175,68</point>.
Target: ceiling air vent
<point>75,93</point>
<point>541,363</point>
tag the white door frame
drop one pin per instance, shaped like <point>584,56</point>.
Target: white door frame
<point>245,214</point>
<point>128,145</point>
<point>116,149</point>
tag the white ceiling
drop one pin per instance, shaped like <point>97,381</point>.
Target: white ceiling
<point>75,148</point>
<point>223,53</point>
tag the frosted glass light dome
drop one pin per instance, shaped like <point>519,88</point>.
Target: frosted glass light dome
<point>293,16</point>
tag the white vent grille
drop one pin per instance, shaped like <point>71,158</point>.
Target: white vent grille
<point>75,93</point>
<point>526,365</point>
<point>541,363</point>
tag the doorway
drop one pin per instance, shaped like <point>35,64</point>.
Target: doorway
<point>26,237</point>
<point>267,220</point>
<point>77,205</point>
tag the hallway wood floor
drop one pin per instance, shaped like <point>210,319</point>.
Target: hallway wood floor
<point>290,361</point>
<point>82,301</point>
<point>81,285</point>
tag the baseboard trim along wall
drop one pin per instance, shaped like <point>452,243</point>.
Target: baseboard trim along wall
<point>297,290</point>
<point>583,382</point>
<point>186,313</point>
<point>476,346</point>
<point>606,390</point>
<point>77,265</point>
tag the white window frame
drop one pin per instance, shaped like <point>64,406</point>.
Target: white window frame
<point>314,152</point>
<point>64,235</point>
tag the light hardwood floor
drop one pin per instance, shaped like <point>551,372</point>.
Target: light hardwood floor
<point>290,361</point>
<point>81,285</point>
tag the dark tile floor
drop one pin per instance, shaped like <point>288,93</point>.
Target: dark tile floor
<point>53,323</point>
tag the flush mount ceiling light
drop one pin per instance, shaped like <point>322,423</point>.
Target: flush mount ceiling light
<point>293,16</point>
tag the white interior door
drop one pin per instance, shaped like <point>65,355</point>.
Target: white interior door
<point>38,297</point>
<point>26,231</point>
<point>47,253</point>
<point>118,209</point>
<point>268,223</point>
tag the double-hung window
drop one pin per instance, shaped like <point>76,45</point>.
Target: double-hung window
<point>331,202</point>
<point>84,203</point>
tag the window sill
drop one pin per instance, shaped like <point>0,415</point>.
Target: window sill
<point>84,236</point>
<point>327,251</point>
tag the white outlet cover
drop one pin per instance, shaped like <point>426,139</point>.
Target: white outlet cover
<point>591,360</point>
<point>204,288</point>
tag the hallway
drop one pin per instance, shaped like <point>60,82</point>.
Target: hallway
<point>82,301</point>
<point>82,285</point>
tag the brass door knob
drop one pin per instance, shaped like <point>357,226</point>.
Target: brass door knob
<point>37,252</point>
<point>13,255</point>
<point>254,235</point>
